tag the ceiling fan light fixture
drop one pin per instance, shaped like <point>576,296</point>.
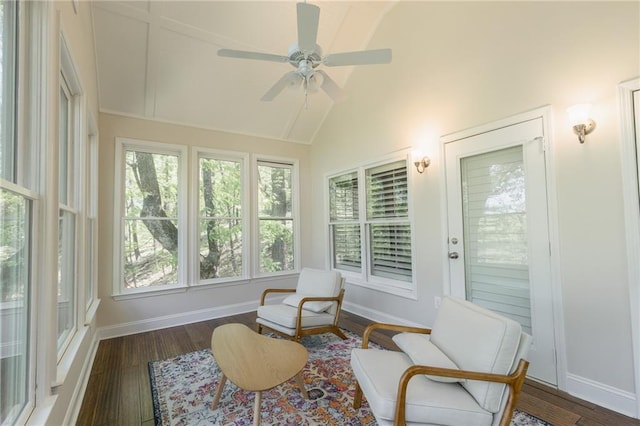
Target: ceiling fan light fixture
<point>314,82</point>
<point>294,80</point>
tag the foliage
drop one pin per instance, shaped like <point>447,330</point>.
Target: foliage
<point>13,246</point>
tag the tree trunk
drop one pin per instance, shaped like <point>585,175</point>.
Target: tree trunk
<point>163,231</point>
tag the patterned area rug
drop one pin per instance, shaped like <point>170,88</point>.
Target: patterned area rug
<point>183,388</point>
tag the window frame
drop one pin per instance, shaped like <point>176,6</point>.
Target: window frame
<point>194,213</point>
<point>29,143</point>
<point>73,204</point>
<point>180,151</point>
<point>293,164</point>
<point>365,277</point>
<point>90,221</point>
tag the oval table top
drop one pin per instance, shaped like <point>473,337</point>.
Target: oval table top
<point>255,362</point>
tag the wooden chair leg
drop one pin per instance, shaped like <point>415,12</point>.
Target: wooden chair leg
<point>339,333</point>
<point>357,397</point>
<point>259,328</point>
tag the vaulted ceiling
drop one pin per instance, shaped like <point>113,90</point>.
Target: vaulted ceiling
<point>158,59</point>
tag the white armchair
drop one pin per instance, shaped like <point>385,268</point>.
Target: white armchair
<point>312,308</point>
<point>467,370</point>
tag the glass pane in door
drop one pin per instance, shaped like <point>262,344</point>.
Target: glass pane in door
<point>495,232</point>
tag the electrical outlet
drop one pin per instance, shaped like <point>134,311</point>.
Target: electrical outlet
<point>436,301</point>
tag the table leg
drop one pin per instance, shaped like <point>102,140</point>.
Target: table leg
<point>256,409</point>
<point>300,383</point>
<point>216,399</point>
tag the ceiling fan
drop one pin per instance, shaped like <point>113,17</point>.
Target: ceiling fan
<point>306,56</point>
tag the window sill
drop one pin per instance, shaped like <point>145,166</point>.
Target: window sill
<point>91,311</point>
<point>68,357</point>
<point>40,415</point>
<point>407,293</point>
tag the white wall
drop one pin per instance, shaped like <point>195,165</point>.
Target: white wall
<point>133,315</point>
<point>458,65</point>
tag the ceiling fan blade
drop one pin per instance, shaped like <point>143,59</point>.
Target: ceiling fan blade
<point>363,57</point>
<point>331,88</point>
<point>291,78</point>
<point>242,54</point>
<point>308,17</point>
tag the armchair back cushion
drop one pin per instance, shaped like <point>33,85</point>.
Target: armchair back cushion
<point>318,283</point>
<point>477,339</point>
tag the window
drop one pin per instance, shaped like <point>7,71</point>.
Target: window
<point>369,226</point>
<point>388,221</point>
<point>150,216</point>
<point>276,221</point>
<point>8,70</point>
<point>91,223</point>
<point>18,202</point>
<point>67,218</point>
<point>344,222</point>
<point>170,238</point>
<point>221,211</point>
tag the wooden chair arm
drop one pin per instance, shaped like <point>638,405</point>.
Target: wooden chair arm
<point>337,298</point>
<point>275,290</point>
<point>394,327</point>
<point>513,380</point>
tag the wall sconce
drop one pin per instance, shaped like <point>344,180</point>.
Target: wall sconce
<point>421,163</point>
<point>580,121</point>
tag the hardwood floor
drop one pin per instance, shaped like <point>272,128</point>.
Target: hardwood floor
<point>119,392</point>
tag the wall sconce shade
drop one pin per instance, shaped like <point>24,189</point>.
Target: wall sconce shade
<point>580,120</point>
<point>422,164</point>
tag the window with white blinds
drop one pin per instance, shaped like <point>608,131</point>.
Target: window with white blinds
<point>369,223</point>
<point>344,222</point>
<point>388,221</point>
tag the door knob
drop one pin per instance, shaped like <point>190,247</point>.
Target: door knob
<point>453,255</point>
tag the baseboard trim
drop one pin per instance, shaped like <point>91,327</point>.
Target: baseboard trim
<point>375,315</point>
<point>167,321</point>
<point>71,417</point>
<point>606,396</point>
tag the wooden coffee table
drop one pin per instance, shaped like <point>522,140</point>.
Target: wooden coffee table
<point>254,362</point>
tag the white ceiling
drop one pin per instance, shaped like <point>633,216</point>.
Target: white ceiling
<point>158,59</point>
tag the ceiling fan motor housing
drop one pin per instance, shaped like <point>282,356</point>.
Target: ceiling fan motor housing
<point>297,55</point>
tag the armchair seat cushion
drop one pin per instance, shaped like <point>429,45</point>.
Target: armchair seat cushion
<point>428,401</point>
<point>286,316</point>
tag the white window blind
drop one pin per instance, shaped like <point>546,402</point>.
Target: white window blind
<point>387,220</point>
<point>344,222</point>
<point>495,228</point>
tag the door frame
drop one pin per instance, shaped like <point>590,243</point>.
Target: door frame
<point>629,156</point>
<point>545,113</point>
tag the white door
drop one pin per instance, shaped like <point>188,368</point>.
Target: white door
<point>499,251</point>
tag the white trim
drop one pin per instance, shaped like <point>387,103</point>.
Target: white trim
<point>629,154</point>
<point>377,316</point>
<point>167,321</point>
<point>603,395</point>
